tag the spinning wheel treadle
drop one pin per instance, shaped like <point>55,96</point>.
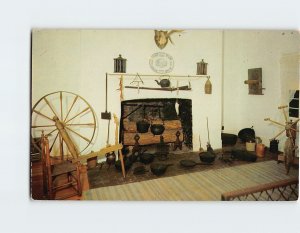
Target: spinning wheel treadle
<point>63,115</point>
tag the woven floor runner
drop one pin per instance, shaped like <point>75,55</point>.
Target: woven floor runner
<point>197,186</point>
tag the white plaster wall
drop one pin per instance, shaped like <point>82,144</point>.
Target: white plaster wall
<point>77,60</point>
<point>254,49</point>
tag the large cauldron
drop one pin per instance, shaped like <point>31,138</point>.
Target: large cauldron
<point>157,129</point>
<point>142,126</point>
<point>247,134</point>
<point>207,157</point>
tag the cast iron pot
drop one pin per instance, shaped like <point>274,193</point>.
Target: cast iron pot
<point>140,170</point>
<point>157,129</point>
<point>228,139</point>
<point>142,126</point>
<point>207,157</point>
<point>159,169</point>
<point>146,158</point>
<point>127,165</point>
<point>247,134</point>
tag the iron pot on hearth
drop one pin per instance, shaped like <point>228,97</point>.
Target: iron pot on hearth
<point>157,129</point>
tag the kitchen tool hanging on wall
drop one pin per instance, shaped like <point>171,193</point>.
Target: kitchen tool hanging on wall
<point>106,115</point>
<point>137,81</point>
<point>163,82</point>
<point>121,88</point>
<point>208,86</point>
<point>254,81</point>
<point>110,156</point>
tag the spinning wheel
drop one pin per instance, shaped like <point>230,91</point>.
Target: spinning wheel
<point>65,115</point>
<point>290,127</point>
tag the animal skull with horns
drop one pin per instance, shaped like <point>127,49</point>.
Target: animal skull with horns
<point>162,37</point>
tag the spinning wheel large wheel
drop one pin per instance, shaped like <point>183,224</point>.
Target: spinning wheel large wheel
<point>69,111</point>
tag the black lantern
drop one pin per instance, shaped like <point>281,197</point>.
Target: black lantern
<point>202,68</point>
<point>120,64</point>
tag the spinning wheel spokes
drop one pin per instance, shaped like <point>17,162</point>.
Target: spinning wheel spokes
<point>84,110</point>
<point>75,99</point>
<point>289,127</point>
<point>68,111</point>
<point>278,134</point>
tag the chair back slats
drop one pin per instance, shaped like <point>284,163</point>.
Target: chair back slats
<point>53,171</point>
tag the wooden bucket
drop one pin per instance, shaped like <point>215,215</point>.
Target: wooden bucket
<point>260,150</point>
<point>250,146</point>
<point>92,162</point>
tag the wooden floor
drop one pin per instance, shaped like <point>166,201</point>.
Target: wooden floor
<point>37,177</point>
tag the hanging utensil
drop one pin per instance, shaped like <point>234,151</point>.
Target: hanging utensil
<point>106,115</point>
<point>177,107</point>
<point>121,88</point>
<point>111,156</point>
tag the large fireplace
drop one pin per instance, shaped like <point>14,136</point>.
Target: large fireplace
<point>173,115</point>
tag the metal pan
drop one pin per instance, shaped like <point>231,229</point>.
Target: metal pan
<point>159,169</point>
<point>190,163</point>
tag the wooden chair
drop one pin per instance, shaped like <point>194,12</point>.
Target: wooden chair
<point>59,175</point>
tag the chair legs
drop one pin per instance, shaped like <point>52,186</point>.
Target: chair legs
<point>79,188</point>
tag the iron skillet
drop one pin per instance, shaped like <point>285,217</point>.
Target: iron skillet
<point>159,169</point>
<point>190,163</point>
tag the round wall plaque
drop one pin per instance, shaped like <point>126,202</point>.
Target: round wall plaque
<point>161,63</point>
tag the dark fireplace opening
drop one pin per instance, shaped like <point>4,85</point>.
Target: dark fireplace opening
<point>173,113</point>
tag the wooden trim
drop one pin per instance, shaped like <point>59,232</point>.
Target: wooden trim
<point>259,188</point>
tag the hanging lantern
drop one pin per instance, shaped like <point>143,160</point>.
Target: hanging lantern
<point>201,68</point>
<point>208,86</point>
<point>120,64</point>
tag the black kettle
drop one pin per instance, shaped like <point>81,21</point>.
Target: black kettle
<point>163,82</point>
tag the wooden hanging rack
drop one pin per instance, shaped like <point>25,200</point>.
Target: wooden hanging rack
<point>184,77</point>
